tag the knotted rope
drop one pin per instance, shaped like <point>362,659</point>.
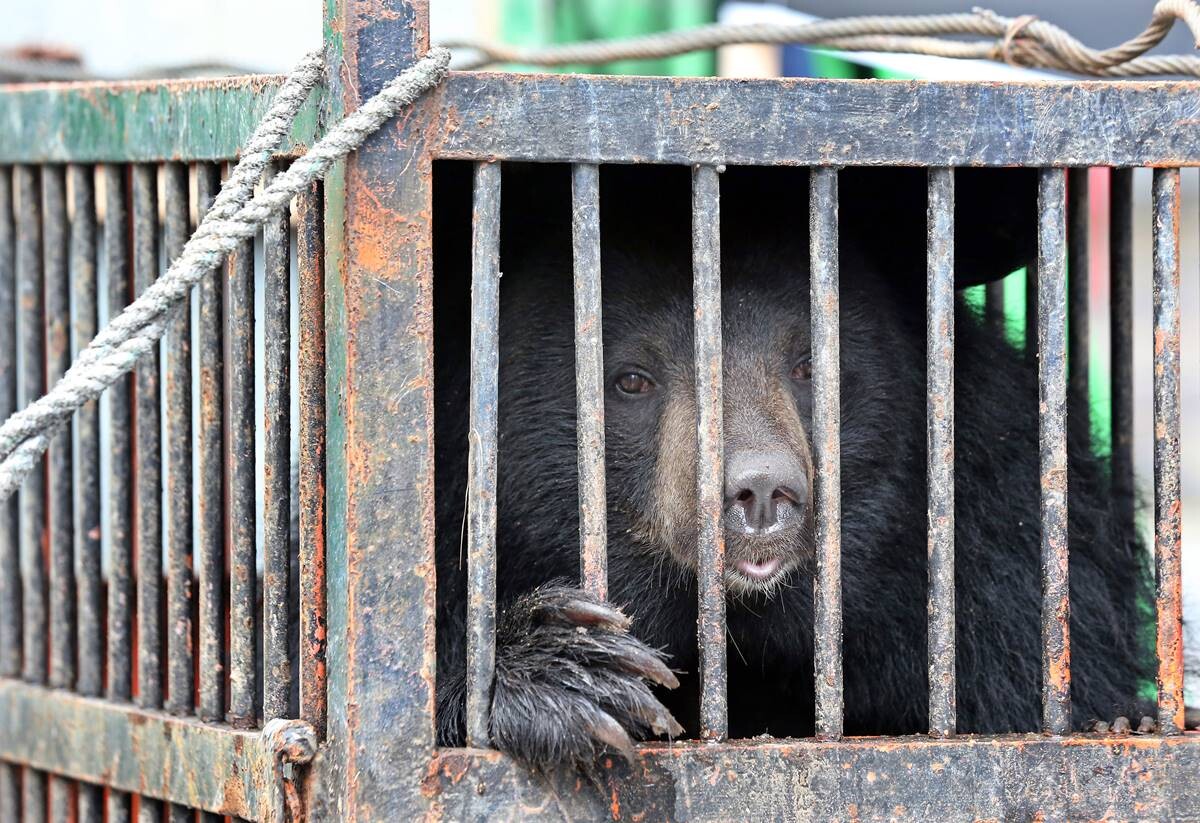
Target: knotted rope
<point>236,212</point>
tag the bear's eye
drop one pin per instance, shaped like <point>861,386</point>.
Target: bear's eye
<point>634,383</point>
<point>803,369</point>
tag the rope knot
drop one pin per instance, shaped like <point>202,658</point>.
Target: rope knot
<point>1005,51</point>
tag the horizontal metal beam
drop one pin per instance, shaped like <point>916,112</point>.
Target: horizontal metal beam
<point>1027,777</point>
<point>151,753</point>
<point>813,122</point>
<point>136,121</point>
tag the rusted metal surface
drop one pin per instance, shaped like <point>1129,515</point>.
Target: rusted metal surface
<point>940,414</point>
<point>589,379</point>
<point>148,537</point>
<point>120,481</point>
<point>1120,246</point>
<point>1078,277</point>
<point>33,796</point>
<point>710,463</point>
<point>380,362</point>
<point>141,121</point>
<point>826,437</point>
<point>180,671</point>
<point>239,467</point>
<point>1052,421</point>
<point>31,315</point>
<point>310,259</point>
<point>965,778</point>
<point>90,628</point>
<point>152,753</point>
<point>59,479</point>
<point>885,122</point>
<point>483,447</point>
<point>1167,506</point>
<point>10,557</point>
<point>210,466</point>
<point>277,494</point>
<point>148,480</point>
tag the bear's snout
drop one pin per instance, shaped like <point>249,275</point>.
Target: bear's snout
<point>765,492</point>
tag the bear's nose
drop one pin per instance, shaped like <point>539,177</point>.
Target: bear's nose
<point>764,492</point>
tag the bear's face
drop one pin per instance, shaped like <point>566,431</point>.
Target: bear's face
<point>650,424</point>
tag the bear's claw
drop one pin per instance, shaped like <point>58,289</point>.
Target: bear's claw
<point>571,681</point>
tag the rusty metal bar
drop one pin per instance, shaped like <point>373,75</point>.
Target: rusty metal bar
<point>32,314</point>
<point>1078,276</point>
<point>31,290</point>
<point>239,465</point>
<point>1120,245</point>
<point>148,480</point>
<point>963,778</point>
<point>710,470</point>
<point>210,466</point>
<point>90,629</point>
<point>1031,312</point>
<point>120,482</point>
<point>310,260</point>
<point>60,461</point>
<point>277,663</point>
<point>589,379</point>
<point>893,124</point>
<point>826,373</point>
<point>181,696</point>
<point>148,538</point>
<point>940,413</point>
<point>1052,383</point>
<point>481,488</point>
<point>10,547</point>
<point>60,511</point>
<point>1167,505</point>
<point>153,753</point>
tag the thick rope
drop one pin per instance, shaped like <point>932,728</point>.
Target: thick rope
<point>236,213</point>
<point>115,351</point>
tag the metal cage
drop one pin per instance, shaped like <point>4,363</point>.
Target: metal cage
<point>144,683</point>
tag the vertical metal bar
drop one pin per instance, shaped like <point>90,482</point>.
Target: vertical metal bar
<point>59,474</point>
<point>481,490</point>
<point>239,359</point>
<point>210,499</point>
<point>90,610</point>
<point>180,672</point>
<point>1120,245</point>
<point>940,415</point>
<point>1031,312</point>
<point>826,371</point>
<point>31,289</point>
<point>310,259</point>
<point>33,363</point>
<point>120,482</point>
<point>277,664</point>
<point>148,537</point>
<point>1167,505</point>
<point>1052,383</point>
<point>589,379</point>
<point>10,557</point>
<point>710,470</point>
<point>59,477</point>
<point>1077,300</point>
<point>90,632</point>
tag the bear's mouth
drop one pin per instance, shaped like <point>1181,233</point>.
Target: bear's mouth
<point>757,573</point>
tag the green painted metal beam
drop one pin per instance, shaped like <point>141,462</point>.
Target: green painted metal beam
<point>132,122</point>
<point>201,765</point>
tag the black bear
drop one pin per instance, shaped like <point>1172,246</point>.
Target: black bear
<point>575,676</point>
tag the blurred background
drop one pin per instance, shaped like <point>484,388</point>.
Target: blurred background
<point>155,38</point>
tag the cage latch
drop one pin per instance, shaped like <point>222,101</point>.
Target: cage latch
<point>292,743</point>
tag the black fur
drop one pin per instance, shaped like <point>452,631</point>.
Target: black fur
<point>553,677</point>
